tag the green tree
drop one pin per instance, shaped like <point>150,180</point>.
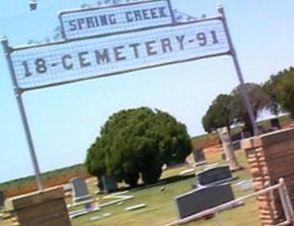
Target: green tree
<point>218,114</point>
<point>228,109</point>
<point>136,143</point>
<point>287,94</point>
<point>259,101</point>
<point>280,88</point>
<point>272,88</point>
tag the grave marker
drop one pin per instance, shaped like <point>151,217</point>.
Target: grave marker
<point>202,199</point>
<point>214,175</point>
<point>199,157</point>
<point>108,184</point>
<point>228,147</point>
<point>80,190</point>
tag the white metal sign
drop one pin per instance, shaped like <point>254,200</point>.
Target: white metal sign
<point>40,66</point>
<point>119,18</point>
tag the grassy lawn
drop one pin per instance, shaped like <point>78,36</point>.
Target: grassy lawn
<point>160,208</point>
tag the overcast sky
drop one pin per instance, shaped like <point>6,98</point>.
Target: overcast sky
<point>65,120</point>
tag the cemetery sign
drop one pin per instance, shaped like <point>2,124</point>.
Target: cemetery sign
<point>41,66</point>
<point>118,18</point>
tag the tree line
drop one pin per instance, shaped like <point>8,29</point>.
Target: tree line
<point>275,95</point>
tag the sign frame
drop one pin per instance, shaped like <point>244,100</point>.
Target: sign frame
<point>171,62</point>
<point>63,32</point>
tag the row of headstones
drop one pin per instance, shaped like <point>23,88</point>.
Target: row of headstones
<point>212,191</point>
<point>80,189</point>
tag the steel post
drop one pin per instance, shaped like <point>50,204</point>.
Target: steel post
<point>243,90</point>
<point>18,95</point>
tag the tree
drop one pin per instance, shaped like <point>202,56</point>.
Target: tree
<point>259,101</point>
<point>226,110</point>
<point>136,143</point>
<point>280,88</point>
<point>286,96</point>
<point>219,114</point>
<point>272,88</point>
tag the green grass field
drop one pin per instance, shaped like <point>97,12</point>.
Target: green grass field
<point>160,208</point>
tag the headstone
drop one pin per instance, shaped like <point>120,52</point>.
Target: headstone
<point>244,185</point>
<point>202,199</point>
<point>275,124</point>
<point>214,175</point>
<point>80,190</point>
<point>2,199</point>
<point>236,145</point>
<point>199,157</point>
<point>107,184</point>
<point>228,148</point>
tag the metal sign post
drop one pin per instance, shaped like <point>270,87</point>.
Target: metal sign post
<point>18,92</point>
<point>243,90</point>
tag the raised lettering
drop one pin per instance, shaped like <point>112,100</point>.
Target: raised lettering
<point>129,17</point>
<point>72,24</point>
<point>96,18</point>
<point>153,12</point>
<point>90,22</point>
<point>102,57</point>
<point>150,49</point>
<point>180,40</point>
<point>166,45</point>
<point>80,21</point>
<point>83,59</point>
<point>103,20</point>
<point>135,49</point>
<point>112,19</point>
<point>118,53</point>
<point>65,63</point>
<point>138,15</point>
<point>145,14</point>
<point>162,12</point>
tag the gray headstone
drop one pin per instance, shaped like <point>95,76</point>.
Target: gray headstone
<point>80,190</point>
<point>2,199</point>
<point>214,175</point>
<point>110,184</point>
<point>275,124</point>
<point>199,156</point>
<point>202,199</point>
<point>107,184</point>
<point>236,145</point>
